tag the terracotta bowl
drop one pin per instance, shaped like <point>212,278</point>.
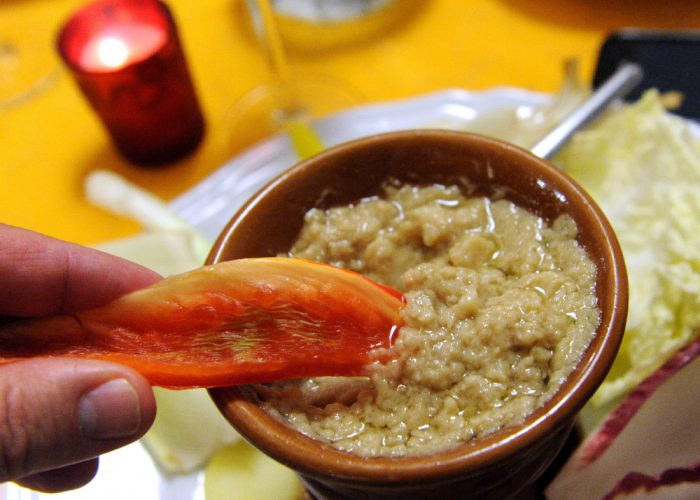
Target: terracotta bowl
<point>502,464</point>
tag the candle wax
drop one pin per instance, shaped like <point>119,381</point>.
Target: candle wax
<point>119,46</point>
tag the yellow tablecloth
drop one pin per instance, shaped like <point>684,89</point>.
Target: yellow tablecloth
<point>49,143</point>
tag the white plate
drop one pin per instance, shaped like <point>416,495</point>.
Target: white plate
<point>129,473</point>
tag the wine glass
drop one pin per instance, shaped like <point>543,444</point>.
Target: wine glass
<point>28,66</point>
<point>290,100</point>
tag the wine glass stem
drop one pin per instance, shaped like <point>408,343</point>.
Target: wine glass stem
<point>273,41</point>
<point>292,108</point>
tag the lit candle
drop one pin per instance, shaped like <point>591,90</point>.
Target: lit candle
<point>127,59</point>
<point>112,50</point>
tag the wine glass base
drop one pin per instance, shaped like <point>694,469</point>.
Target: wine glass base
<point>28,64</point>
<point>266,109</point>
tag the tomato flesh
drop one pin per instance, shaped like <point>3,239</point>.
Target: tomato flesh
<point>236,322</point>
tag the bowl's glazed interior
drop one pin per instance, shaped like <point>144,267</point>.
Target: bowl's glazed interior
<point>505,462</point>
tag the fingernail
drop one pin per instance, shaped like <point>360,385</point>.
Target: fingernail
<point>110,411</point>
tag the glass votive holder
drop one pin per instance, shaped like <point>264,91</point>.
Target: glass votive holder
<point>127,59</point>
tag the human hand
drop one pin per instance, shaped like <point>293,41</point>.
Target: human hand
<point>58,415</point>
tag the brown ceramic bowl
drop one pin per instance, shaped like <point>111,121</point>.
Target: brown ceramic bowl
<point>504,463</point>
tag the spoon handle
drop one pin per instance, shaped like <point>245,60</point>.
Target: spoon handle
<point>625,78</point>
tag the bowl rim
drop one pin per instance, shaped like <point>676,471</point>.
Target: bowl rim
<point>316,459</point>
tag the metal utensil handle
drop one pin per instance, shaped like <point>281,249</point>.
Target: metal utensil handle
<point>620,83</point>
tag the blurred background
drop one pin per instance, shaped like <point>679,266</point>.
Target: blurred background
<point>382,50</point>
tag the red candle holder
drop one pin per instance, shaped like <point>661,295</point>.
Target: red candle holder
<point>127,59</point>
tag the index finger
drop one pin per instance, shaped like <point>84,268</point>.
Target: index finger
<point>41,276</point>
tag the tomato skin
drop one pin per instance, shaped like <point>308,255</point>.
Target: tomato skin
<point>236,322</point>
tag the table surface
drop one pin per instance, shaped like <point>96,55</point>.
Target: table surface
<point>51,141</point>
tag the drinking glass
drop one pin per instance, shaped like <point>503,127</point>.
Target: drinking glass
<point>290,100</point>
<point>28,65</point>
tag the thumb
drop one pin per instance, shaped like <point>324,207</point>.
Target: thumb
<point>57,412</point>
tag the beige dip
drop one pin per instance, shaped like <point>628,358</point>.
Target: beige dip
<point>500,308</point>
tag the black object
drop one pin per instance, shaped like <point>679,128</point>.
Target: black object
<point>670,60</point>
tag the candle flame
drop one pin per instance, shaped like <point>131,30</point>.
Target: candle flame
<point>112,52</point>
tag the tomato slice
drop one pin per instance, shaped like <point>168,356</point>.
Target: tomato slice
<point>236,322</point>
